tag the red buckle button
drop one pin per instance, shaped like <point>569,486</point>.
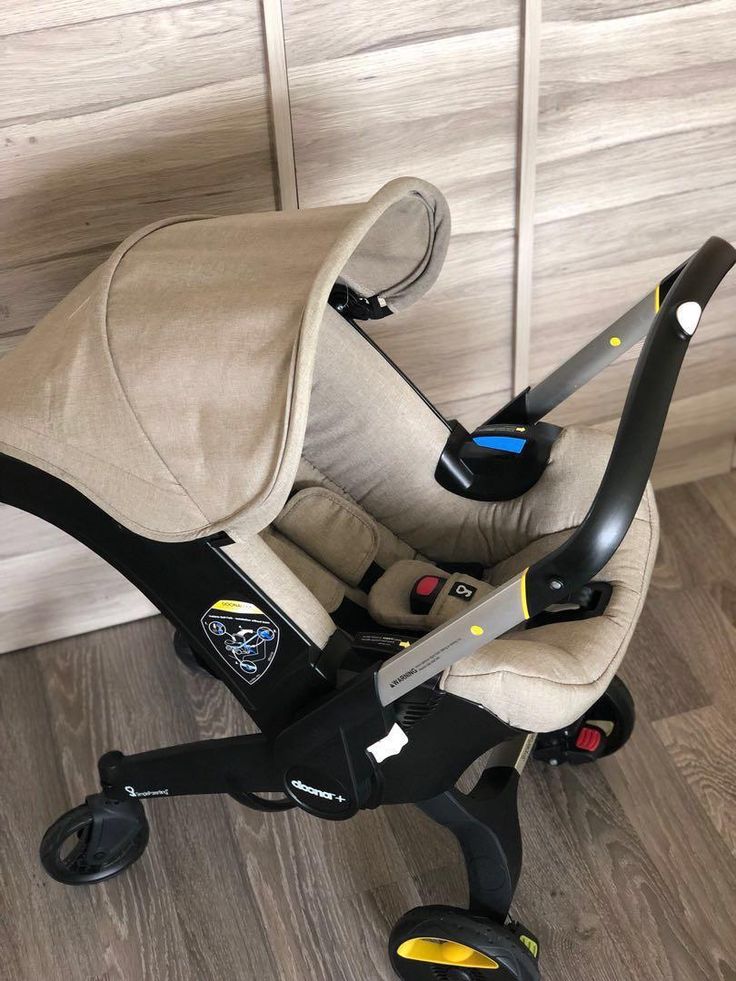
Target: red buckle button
<point>426,585</point>
<point>588,739</point>
<point>424,592</point>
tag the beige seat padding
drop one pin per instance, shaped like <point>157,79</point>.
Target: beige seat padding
<point>390,548</point>
<point>388,601</point>
<point>333,530</point>
<point>537,679</point>
<point>546,677</point>
<point>326,587</point>
<point>276,579</point>
<point>389,470</point>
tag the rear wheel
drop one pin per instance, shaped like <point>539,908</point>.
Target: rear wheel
<point>603,730</point>
<point>188,657</point>
<point>616,706</point>
<point>442,943</point>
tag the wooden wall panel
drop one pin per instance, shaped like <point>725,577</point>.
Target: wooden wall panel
<point>20,16</point>
<point>379,90</point>
<point>636,142</point>
<point>110,117</point>
<point>54,587</point>
<point>111,123</point>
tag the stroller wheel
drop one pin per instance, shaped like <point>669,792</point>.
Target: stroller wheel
<point>615,708</point>
<point>188,657</point>
<point>441,943</point>
<point>94,841</point>
<point>603,730</point>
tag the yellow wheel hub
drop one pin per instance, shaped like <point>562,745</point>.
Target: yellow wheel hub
<point>447,952</point>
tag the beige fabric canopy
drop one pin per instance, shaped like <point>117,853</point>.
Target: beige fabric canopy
<point>172,386</point>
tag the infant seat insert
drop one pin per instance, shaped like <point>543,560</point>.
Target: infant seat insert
<point>540,678</point>
<point>387,594</point>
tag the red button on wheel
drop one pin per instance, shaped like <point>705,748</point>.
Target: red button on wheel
<point>588,739</point>
<point>426,585</point>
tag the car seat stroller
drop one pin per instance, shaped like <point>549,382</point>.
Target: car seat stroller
<point>388,595</point>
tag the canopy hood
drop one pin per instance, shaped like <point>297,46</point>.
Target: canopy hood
<point>172,386</point>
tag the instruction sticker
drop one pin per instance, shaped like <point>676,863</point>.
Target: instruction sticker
<point>244,637</point>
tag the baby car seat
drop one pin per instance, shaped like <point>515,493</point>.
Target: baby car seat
<point>387,594</point>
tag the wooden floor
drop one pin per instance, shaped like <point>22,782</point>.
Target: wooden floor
<point>630,865</point>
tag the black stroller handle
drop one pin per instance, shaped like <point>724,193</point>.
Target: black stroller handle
<point>676,306</point>
<point>592,545</point>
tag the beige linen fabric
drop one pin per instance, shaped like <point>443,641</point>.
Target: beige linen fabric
<point>543,679</point>
<point>326,588</point>
<point>333,530</point>
<point>259,562</point>
<point>172,386</point>
<point>390,548</point>
<point>389,469</point>
<point>536,679</point>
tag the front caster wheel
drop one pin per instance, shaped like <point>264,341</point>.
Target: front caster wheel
<point>441,943</point>
<point>94,841</point>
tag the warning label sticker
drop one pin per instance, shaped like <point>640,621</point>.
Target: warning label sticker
<point>243,636</point>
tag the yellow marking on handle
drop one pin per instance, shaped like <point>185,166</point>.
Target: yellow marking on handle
<point>614,341</point>
<point>524,604</point>
<point>477,631</point>
<point>656,299</point>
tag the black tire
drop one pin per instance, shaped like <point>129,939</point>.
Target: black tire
<point>615,705</point>
<point>265,804</point>
<point>501,944</point>
<point>613,714</point>
<point>188,657</point>
<point>75,866</point>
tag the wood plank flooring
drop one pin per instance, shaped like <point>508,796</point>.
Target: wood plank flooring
<point>630,865</point>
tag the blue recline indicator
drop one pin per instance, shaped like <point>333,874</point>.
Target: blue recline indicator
<point>508,444</point>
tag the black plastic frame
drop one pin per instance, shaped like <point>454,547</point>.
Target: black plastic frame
<point>592,545</point>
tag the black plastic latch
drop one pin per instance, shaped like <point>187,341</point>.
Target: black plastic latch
<point>356,307</point>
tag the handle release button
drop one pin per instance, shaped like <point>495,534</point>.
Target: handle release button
<point>688,316</point>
